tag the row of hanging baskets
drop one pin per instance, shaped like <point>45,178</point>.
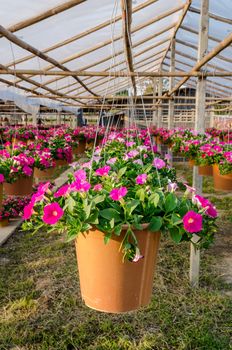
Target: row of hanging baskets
<point>221,182</point>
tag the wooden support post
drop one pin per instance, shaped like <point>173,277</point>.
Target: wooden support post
<point>171,85</point>
<point>199,126</point>
<point>160,91</point>
<point>155,112</point>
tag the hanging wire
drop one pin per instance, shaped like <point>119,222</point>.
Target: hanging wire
<point>112,26</point>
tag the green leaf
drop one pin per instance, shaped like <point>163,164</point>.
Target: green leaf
<point>110,213</point>
<point>112,223</point>
<point>93,219</point>
<point>176,219</point>
<point>170,202</point>
<point>70,204</point>
<point>156,223</point>
<point>154,199</point>
<point>122,172</point>
<point>175,234</point>
<point>86,227</point>
<point>131,205</point>
<point>98,199</point>
<point>140,194</point>
<point>118,229</point>
<point>107,237</point>
<point>87,210</point>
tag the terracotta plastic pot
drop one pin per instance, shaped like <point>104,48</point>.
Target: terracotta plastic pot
<point>81,147</point>
<point>205,170</point>
<point>158,140</point>
<point>4,222</point>
<point>21,187</point>
<point>221,182</point>
<point>191,163</point>
<point>107,283</point>
<point>61,162</point>
<point>44,174</point>
<point>1,195</point>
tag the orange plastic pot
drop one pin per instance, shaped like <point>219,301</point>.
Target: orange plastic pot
<point>61,162</point>
<point>81,147</point>
<point>4,222</point>
<point>1,196</point>
<point>191,163</point>
<point>205,170</point>
<point>21,187</point>
<point>158,140</point>
<point>221,182</point>
<point>107,283</point>
<point>44,174</point>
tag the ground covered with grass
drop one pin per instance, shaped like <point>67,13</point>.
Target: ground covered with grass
<point>41,306</point>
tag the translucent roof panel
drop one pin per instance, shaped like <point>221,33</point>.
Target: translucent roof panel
<point>89,36</point>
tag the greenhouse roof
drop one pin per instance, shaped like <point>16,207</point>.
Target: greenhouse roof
<point>50,37</point>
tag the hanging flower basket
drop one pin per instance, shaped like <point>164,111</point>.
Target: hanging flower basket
<point>42,175</point>
<point>21,187</point>
<point>81,147</point>
<point>191,163</point>
<point>221,182</point>
<point>61,162</point>
<point>4,222</point>
<point>205,170</point>
<point>110,284</point>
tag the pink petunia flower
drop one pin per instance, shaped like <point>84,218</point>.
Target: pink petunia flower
<point>97,187</point>
<point>80,174</point>
<point>2,178</point>
<point>103,171</point>
<point>52,213</point>
<point>141,179</point>
<point>192,222</point>
<point>172,186</point>
<point>28,211</point>
<point>158,163</point>
<point>62,191</point>
<point>111,160</point>
<point>118,193</point>
<point>27,170</point>
<point>205,203</point>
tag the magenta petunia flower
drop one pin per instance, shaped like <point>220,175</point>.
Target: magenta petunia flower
<point>37,197</point>
<point>118,193</point>
<point>103,171</point>
<point>141,179</point>
<point>62,191</point>
<point>211,211</point>
<point>80,186</point>
<point>27,170</point>
<point>2,178</point>
<point>205,203</point>
<point>158,163</point>
<point>80,174</point>
<point>97,187</point>
<point>28,211</point>
<point>44,187</point>
<point>52,213</point>
<point>192,222</point>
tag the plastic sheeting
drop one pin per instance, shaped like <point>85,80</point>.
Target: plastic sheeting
<point>109,55</point>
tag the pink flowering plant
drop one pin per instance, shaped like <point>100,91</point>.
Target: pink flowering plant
<point>15,166</point>
<point>111,193</point>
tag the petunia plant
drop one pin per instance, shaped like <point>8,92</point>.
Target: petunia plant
<point>118,198</point>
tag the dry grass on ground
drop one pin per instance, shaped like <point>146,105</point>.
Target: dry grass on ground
<point>41,307</point>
